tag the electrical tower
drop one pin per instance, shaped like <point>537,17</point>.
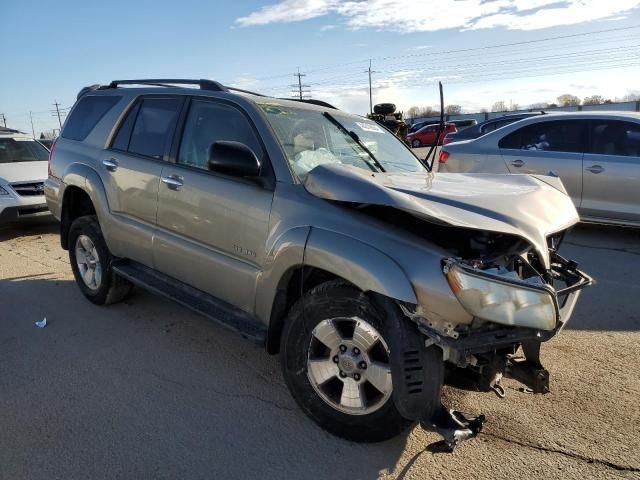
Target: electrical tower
<point>58,112</point>
<point>301,90</point>
<point>4,119</point>
<point>369,71</point>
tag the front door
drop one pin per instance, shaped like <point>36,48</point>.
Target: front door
<point>612,172</point>
<point>213,227</point>
<point>552,147</point>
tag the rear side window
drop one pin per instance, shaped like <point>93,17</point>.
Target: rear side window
<point>19,150</point>
<point>557,136</point>
<point>154,126</point>
<point>610,137</point>
<point>86,114</point>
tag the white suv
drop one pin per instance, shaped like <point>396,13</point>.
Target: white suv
<point>23,170</point>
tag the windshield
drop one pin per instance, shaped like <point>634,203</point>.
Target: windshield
<point>310,138</point>
<point>22,150</point>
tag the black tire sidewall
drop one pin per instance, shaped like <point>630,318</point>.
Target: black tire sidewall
<point>332,300</point>
<point>89,226</point>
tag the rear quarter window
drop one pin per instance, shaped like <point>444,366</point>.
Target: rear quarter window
<point>86,114</point>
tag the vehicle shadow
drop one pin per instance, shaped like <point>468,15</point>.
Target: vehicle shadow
<point>36,226</point>
<point>611,255</point>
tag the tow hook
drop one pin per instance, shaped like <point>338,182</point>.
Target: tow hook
<point>454,427</point>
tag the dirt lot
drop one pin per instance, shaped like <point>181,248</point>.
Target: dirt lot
<point>147,389</point>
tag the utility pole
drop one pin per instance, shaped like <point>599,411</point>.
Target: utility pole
<point>57,112</point>
<point>33,130</point>
<point>300,86</point>
<point>4,119</point>
<point>369,71</point>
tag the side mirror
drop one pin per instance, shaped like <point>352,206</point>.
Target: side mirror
<point>233,158</point>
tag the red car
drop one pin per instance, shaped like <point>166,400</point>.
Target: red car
<point>427,135</point>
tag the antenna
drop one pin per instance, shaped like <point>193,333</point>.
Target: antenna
<point>432,150</point>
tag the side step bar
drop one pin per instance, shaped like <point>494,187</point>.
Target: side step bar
<point>211,307</point>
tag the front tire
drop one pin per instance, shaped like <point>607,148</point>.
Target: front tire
<point>91,263</point>
<point>416,143</point>
<point>336,363</point>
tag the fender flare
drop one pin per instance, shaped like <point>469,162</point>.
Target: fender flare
<point>368,268</point>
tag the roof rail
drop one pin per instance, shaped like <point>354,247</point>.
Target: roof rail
<point>167,82</point>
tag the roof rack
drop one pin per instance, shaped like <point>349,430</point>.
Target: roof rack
<point>167,82</point>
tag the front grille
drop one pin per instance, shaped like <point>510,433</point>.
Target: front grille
<point>28,189</point>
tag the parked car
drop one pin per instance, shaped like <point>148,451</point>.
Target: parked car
<point>459,124</point>
<point>23,170</point>
<point>427,135</point>
<point>47,142</point>
<point>597,156</point>
<point>483,128</point>
<point>320,235</point>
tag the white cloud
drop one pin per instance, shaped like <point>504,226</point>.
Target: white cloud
<point>413,16</point>
<point>326,28</point>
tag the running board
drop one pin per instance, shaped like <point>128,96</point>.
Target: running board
<point>211,307</point>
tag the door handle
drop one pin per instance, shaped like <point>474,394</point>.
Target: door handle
<point>173,182</point>
<point>110,164</point>
<point>517,163</point>
<point>595,169</point>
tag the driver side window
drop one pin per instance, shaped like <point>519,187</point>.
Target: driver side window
<point>209,122</point>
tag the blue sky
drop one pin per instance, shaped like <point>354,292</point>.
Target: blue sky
<point>52,49</point>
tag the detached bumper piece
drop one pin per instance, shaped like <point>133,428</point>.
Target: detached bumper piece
<point>454,426</point>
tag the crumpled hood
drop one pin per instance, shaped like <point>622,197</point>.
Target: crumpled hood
<point>23,172</point>
<point>528,206</point>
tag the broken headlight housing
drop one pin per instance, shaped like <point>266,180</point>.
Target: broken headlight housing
<point>503,298</point>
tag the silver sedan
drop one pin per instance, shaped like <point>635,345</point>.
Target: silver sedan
<point>596,154</point>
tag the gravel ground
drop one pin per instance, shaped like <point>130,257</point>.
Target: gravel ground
<point>147,389</point>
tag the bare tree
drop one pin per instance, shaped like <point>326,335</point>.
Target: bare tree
<point>484,110</point>
<point>427,112</point>
<point>568,100</point>
<point>539,106</point>
<point>515,107</point>
<point>499,106</point>
<point>593,100</point>
<point>631,97</point>
<point>453,109</point>
<point>413,112</point>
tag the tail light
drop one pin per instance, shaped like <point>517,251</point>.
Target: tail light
<point>53,146</point>
<point>446,140</point>
<point>444,156</point>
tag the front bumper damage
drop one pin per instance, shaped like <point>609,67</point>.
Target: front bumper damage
<point>478,358</point>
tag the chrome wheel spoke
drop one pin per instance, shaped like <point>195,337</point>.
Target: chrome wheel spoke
<point>97,275</point>
<point>351,396</point>
<point>326,333</point>
<point>322,370</point>
<point>364,335</point>
<point>379,375</point>
<point>87,276</point>
<point>86,243</point>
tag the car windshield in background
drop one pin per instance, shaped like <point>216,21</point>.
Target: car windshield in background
<point>22,150</point>
<point>310,139</point>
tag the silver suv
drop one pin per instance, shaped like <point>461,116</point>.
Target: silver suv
<point>320,235</point>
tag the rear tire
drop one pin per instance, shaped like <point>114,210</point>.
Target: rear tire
<point>91,263</point>
<point>374,417</point>
<point>416,143</point>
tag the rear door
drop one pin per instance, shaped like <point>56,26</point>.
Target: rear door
<point>212,228</point>
<point>131,169</point>
<point>542,148</point>
<point>612,172</point>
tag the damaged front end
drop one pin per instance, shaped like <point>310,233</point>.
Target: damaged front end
<point>515,304</point>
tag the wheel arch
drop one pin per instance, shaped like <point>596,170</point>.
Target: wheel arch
<point>332,256</point>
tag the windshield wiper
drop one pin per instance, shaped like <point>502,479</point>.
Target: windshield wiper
<point>355,138</point>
